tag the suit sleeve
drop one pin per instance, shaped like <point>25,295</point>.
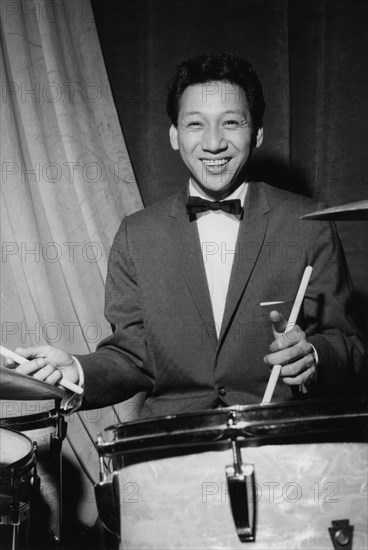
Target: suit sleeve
<point>120,367</point>
<point>342,355</point>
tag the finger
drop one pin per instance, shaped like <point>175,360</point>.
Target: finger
<point>54,377</point>
<point>9,363</point>
<point>33,352</point>
<point>44,372</point>
<point>289,354</point>
<point>303,378</point>
<point>31,367</point>
<point>288,339</point>
<point>298,367</point>
<point>279,323</point>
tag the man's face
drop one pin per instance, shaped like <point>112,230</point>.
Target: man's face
<point>214,135</point>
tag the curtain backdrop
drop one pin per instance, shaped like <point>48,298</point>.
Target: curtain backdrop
<point>66,184</point>
<point>311,58</point>
<point>67,179</point>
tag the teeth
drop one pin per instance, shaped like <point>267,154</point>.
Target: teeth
<point>215,162</point>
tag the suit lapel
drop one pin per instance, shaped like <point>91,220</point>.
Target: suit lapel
<point>190,255</point>
<point>252,231</point>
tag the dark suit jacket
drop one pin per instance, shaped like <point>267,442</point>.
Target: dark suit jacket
<point>157,301</point>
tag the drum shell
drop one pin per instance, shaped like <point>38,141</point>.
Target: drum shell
<point>176,498</point>
<point>183,502</point>
<point>16,470</point>
<point>46,431</point>
<point>17,467</point>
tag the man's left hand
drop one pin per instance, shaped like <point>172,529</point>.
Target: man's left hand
<point>292,350</point>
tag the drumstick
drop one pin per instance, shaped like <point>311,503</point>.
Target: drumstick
<point>275,373</point>
<point>19,359</point>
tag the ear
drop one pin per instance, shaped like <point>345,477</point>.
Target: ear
<point>259,138</point>
<point>173,132</point>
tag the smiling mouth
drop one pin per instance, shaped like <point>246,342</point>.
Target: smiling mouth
<point>214,163</point>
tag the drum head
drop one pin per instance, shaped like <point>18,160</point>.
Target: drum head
<point>15,449</point>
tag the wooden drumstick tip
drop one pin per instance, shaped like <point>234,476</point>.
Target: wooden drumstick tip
<point>12,355</point>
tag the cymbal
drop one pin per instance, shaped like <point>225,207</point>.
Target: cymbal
<point>351,211</point>
<point>14,385</point>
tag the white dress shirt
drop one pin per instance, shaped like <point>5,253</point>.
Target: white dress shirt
<point>218,232</point>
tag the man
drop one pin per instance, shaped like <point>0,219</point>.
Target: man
<point>186,285</point>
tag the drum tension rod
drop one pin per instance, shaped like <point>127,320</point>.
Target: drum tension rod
<point>99,443</point>
<point>242,490</point>
<point>36,481</point>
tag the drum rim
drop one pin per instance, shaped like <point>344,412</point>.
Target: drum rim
<point>337,418</point>
<point>244,409</point>
<point>31,421</point>
<point>21,465</point>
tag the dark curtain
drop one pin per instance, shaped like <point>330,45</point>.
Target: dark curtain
<point>310,56</point>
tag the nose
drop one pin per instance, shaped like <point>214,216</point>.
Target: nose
<point>213,140</point>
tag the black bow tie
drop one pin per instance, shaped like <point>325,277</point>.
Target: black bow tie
<point>195,205</point>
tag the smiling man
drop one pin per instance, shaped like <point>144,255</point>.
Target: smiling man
<point>214,134</point>
<point>187,277</point>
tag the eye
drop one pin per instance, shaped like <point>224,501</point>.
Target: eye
<point>194,124</point>
<point>233,123</point>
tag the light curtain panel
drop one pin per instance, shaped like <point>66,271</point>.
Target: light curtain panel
<point>67,182</point>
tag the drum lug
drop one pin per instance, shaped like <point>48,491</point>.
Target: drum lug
<point>341,534</point>
<point>242,492</point>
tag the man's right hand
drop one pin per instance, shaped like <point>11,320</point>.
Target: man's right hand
<point>46,363</point>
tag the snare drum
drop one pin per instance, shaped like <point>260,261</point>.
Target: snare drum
<point>46,430</point>
<point>277,477</point>
<point>17,463</point>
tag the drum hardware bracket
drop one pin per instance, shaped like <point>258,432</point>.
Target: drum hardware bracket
<point>341,534</point>
<point>100,442</point>
<point>108,501</point>
<point>56,439</point>
<point>108,504</point>
<point>242,491</point>
<point>21,513</point>
<point>16,515</point>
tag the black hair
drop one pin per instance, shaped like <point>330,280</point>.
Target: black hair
<point>225,67</point>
